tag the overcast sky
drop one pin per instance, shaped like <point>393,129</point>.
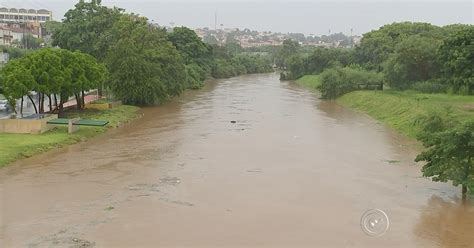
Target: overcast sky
<point>309,17</point>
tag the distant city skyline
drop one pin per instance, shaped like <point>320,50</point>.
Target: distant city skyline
<point>308,17</point>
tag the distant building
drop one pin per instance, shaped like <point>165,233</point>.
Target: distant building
<point>6,37</point>
<point>4,58</point>
<point>356,39</point>
<point>17,23</point>
<point>15,32</point>
<point>13,15</point>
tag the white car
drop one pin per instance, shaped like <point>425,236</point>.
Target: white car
<point>3,105</point>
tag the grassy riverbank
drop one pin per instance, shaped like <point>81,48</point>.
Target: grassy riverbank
<point>400,110</point>
<point>18,146</point>
<point>310,81</point>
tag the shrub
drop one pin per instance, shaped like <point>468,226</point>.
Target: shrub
<point>241,64</point>
<point>431,86</point>
<point>339,81</point>
<point>195,76</point>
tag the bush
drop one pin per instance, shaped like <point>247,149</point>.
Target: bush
<point>431,86</point>
<point>195,76</point>
<point>223,69</point>
<point>336,82</point>
<point>240,64</point>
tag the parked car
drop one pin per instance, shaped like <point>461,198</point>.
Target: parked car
<point>4,105</point>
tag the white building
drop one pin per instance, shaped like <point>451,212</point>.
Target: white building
<point>6,37</point>
<point>15,32</point>
<point>13,15</point>
<point>4,58</point>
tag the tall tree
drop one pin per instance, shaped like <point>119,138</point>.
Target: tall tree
<point>190,46</point>
<point>289,48</point>
<point>145,68</point>
<point>457,56</point>
<point>376,46</point>
<point>87,28</point>
<point>450,151</point>
<point>17,81</point>
<point>414,60</point>
<point>51,72</point>
<point>30,42</point>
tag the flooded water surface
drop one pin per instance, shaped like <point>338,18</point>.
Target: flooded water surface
<point>245,162</point>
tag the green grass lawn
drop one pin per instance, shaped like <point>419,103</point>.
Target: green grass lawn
<point>310,81</point>
<point>17,146</point>
<point>399,110</point>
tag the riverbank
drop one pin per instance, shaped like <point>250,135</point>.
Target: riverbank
<point>310,81</point>
<point>17,146</point>
<point>400,109</point>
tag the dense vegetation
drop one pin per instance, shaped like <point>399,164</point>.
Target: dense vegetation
<point>51,73</point>
<point>340,80</point>
<point>406,56</point>
<point>417,56</point>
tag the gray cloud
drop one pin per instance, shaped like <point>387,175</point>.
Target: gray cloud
<point>316,17</point>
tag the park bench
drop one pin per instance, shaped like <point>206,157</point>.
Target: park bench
<point>73,124</point>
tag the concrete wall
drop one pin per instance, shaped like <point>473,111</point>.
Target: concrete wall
<point>26,126</point>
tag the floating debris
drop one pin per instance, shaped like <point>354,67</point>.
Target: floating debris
<point>182,203</point>
<point>170,180</point>
<point>82,243</point>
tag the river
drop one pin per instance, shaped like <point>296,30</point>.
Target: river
<point>245,162</point>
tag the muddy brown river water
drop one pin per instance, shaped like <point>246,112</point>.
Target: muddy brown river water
<point>292,171</point>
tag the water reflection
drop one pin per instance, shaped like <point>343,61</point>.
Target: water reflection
<point>445,222</point>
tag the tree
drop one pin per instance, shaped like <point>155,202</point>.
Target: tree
<point>450,151</point>
<point>210,39</point>
<point>323,58</point>
<point>16,81</point>
<point>51,72</point>
<point>288,49</point>
<point>82,73</point>
<point>376,46</point>
<point>48,72</point>
<point>414,60</point>
<point>87,28</point>
<point>457,55</point>
<point>15,53</point>
<point>190,46</point>
<point>145,68</point>
<point>196,54</point>
<point>295,66</point>
<point>338,81</point>
<point>51,27</point>
<point>30,42</point>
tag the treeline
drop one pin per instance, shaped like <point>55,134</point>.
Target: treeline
<point>417,56</point>
<point>231,60</point>
<point>51,73</point>
<point>145,64</point>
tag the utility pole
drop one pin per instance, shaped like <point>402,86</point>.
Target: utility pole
<point>215,21</point>
<point>25,38</point>
<point>352,39</point>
